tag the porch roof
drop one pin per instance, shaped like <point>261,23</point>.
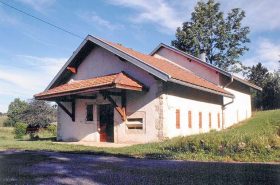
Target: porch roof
<point>111,81</point>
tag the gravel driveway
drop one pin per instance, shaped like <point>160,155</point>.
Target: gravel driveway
<point>20,167</point>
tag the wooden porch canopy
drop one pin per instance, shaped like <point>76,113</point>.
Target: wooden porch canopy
<point>73,90</point>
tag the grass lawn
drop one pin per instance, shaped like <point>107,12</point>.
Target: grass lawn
<point>256,140</point>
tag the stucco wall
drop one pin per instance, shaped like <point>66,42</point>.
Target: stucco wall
<point>197,68</point>
<point>241,108</point>
<point>187,99</point>
<point>99,63</point>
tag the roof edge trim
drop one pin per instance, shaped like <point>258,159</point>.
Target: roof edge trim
<point>160,74</point>
<point>133,60</point>
<point>66,64</point>
<point>200,88</point>
<point>241,81</point>
<point>191,57</point>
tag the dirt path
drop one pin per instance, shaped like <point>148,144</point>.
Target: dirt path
<point>19,167</point>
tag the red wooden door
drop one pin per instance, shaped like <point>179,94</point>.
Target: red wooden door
<point>103,134</point>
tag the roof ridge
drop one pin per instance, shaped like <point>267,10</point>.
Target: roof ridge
<point>118,78</point>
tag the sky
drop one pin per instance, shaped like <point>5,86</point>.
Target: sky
<point>31,52</point>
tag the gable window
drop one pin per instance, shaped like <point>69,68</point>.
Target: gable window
<point>210,120</point>
<point>190,118</point>
<point>89,113</point>
<point>219,125</point>
<point>177,118</point>
<point>200,120</point>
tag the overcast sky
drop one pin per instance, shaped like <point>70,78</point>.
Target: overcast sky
<point>31,52</point>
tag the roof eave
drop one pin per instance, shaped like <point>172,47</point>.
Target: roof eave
<point>200,88</point>
<point>257,88</point>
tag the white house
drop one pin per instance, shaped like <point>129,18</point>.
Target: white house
<point>109,93</point>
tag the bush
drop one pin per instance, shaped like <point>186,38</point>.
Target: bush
<point>8,123</point>
<point>52,129</point>
<point>19,130</point>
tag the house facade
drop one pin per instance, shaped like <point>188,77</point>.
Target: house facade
<point>109,93</point>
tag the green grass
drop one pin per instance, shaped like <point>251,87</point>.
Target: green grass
<point>256,139</point>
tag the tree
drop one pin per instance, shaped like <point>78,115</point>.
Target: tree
<point>258,75</point>
<point>15,109</point>
<point>271,92</point>
<point>269,98</point>
<point>38,113</point>
<point>221,38</point>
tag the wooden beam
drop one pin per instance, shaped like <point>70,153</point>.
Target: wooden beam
<point>106,95</point>
<point>73,109</point>
<point>86,97</point>
<point>123,96</point>
<point>63,108</point>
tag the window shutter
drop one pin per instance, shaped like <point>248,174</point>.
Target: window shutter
<point>219,125</point>
<point>200,120</point>
<point>177,118</point>
<point>210,120</point>
<point>190,119</point>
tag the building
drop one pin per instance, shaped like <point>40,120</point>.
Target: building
<point>109,93</point>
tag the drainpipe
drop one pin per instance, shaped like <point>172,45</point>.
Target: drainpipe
<point>224,105</point>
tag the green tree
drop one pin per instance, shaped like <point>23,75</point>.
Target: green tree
<point>38,113</point>
<point>271,92</point>
<point>222,38</point>
<point>269,98</point>
<point>258,75</point>
<point>15,109</point>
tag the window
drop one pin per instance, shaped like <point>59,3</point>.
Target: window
<point>219,124</point>
<point>190,119</point>
<point>210,120</point>
<point>200,120</point>
<point>89,113</point>
<point>177,118</point>
<point>135,123</point>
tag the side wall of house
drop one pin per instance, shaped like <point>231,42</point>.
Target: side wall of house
<point>241,108</point>
<point>100,62</point>
<point>195,67</point>
<point>185,99</point>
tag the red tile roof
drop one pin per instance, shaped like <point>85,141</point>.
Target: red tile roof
<point>119,80</point>
<point>174,71</point>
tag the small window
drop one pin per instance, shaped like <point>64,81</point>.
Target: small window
<point>219,124</point>
<point>190,119</point>
<point>200,120</point>
<point>177,118</point>
<point>135,123</point>
<point>210,124</point>
<point>89,113</point>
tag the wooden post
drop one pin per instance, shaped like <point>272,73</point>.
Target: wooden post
<point>73,108</point>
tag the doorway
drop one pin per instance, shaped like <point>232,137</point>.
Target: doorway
<point>106,121</point>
